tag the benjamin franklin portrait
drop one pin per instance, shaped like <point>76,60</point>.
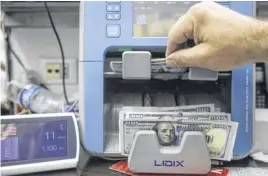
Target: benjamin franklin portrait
<point>165,133</point>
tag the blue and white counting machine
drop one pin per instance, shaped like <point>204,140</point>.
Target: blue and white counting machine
<point>117,31</point>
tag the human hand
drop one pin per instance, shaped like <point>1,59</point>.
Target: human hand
<point>224,39</point>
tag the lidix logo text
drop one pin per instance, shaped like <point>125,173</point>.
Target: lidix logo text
<point>168,163</point>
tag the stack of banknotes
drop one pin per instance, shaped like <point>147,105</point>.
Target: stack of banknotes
<point>170,124</point>
<point>157,67</point>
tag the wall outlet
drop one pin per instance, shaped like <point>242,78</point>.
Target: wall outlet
<point>52,71</point>
<point>55,71</point>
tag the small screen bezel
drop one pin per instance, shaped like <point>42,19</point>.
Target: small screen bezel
<point>71,138</point>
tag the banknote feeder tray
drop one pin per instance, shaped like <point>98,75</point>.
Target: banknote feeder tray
<point>148,156</point>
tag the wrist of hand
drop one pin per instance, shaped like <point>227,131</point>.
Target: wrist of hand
<point>260,42</point>
<point>265,38</point>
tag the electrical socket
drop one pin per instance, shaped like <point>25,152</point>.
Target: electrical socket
<point>52,71</point>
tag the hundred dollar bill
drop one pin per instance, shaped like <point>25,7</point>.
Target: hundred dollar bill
<point>157,67</point>
<point>206,116</point>
<point>194,116</point>
<point>188,108</point>
<point>220,136</point>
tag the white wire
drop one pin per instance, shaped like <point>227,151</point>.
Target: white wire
<point>73,105</point>
<point>23,112</point>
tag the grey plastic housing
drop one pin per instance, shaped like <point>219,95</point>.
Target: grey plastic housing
<point>136,65</point>
<point>147,156</point>
<point>201,74</point>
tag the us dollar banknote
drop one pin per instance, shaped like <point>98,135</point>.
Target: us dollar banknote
<point>156,67</point>
<point>206,116</point>
<point>192,116</point>
<point>220,136</point>
<point>187,108</point>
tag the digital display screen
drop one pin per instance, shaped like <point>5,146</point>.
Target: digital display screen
<point>29,141</point>
<point>155,18</point>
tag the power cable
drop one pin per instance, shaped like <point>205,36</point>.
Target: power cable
<point>61,50</point>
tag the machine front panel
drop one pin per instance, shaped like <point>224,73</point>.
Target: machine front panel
<point>122,25</point>
<point>133,24</point>
<point>93,112</point>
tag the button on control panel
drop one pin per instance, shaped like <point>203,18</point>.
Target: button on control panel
<point>113,30</point>
<point>113,16</point>
<point>112,2</point>
<point>113,9</point>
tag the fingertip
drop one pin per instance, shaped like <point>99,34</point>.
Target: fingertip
<point>171,47</point>
<point>171,62</point>
<point>180,58</point>
<point>177,35</point>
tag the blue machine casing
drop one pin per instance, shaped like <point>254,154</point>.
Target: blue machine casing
<point>96,41</point>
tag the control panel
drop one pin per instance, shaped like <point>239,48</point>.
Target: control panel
<point>113,13</point>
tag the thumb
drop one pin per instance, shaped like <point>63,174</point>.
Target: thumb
<point>189,57</point>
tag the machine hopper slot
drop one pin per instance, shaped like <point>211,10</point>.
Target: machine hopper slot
<point>141,65</point>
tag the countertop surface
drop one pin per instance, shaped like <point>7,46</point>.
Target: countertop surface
<point>100,167</point>
<point>87,166</point>
<point>92,166</point>
<point>95,167</point>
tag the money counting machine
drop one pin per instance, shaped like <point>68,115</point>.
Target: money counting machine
<point>118,39</point>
